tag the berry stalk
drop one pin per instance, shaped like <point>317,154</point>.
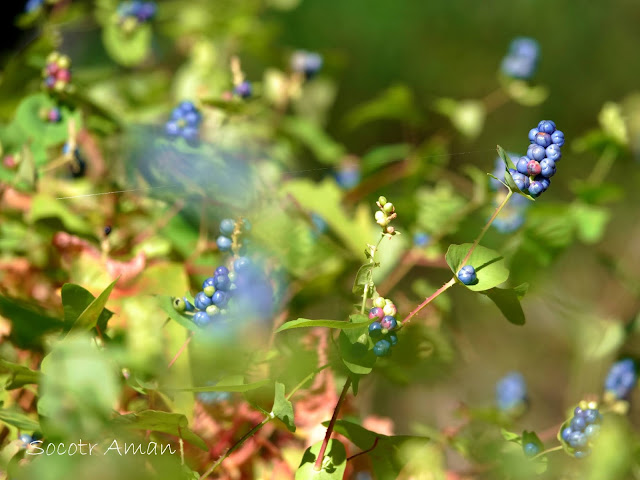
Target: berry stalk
<point>430,299</point>
<point>318,465</point>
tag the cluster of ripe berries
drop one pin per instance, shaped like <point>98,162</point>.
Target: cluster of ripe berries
<point>184,122</point>
<point>621,380</point>
<point>382,329</point>
<point>522,58</point>
<point>57,72</point>
<point>385,215</point>
<point>51,115</point>
<point>533,172</point>
<point>307,63</point>
<point>217,291</point>
<point>582,429</point>
<point>132,13</point>
<point>227,229</point>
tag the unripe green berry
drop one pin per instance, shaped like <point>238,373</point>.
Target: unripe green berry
<point>223,311</point>
<point>379,302</point>
<point>390,309</point>
<point>382,200</point>
<point>63,62</point>
<point>232,276</point>
<point>209,290</point>
<point>388,207</point>
<point>380,217</point>
<point>384,331</point>
<point>179,304</point>
<point>212,310</point>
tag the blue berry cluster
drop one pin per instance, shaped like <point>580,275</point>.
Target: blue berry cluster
<point>621,379</point>
<point>522,59</point>
<point>184,122</point>
<point>244,290</point>
<point>307,63</point>
<point>227,228</point>
<point>467,275</point>
<point>582,429</point>
<point>533,172</point>
<point>511,392</point>
<point>139,11</point>
<point>382,329</point>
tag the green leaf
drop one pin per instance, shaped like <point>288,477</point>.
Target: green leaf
<point>591,221</point>
<point>127,48</point>
<point>165,303</point>
<point>165,422</point>
<point>525,94</point>
<point>364,277</point>
<point>29,323</point>
<point>26,177</point>
<point>508,301</point>
<point>489,265</point>
<point>356,350</point>
<point>395,103</point>
<point>531,437</point>
<point>467,116</point>
<point>75,300</point>
<point>306,323</point>
<point>20,375</point>
<point>40,131</point>
<point>383,155</point>
<point>231,384</point>
<point>510,436</point>
<point>44,206</point>
<point>389,455</point>
<point>511,184</point>
<point>283,408</point>
<point>325,149</point>
<point>89,317</point>
<point>17,419</point>
<point>333,464</point>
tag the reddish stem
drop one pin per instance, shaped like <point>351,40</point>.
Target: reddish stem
<point>428,300</point>
<point>332,423</point>
<point>184,345</point>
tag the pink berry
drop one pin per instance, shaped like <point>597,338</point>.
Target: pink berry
<point>9,161</point>
<point>63,75</point>
<point>52,69</point>
<point>534,168</point>
<point>376,312</point>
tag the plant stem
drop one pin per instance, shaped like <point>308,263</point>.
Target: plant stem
<point>554,449</point>
<point>305,380</point>
<point>318,465</point>
<point>486,227</point>
<point>375,444</point>
<point>365,294</point>
<point>430,299</point>
<point>236,446</point>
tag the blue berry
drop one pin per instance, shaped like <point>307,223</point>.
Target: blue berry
<point>227,226</point>
<point>381,348</point>
<point>389,322</point>
<point>222,270</point>
<point>511,391</point>
<point>621,379</point>
<point>545,182</point>
<point>547,126</point>
<point>522,58</point>
<point>243,89</point>
<point>531,449</point>
<point>592,430</point>
<point>553,152</point>
<point>577,439</point>
<point>578,412</point>
<point>222,282</point>
<point>201,319</point>
<point>209,282</point>
<point>184,122</point>
<point>543,139</point>
<point>590,416</point>
<point>202,301</point>
<point>578,424</point>
<point>421,239</point>
<point>223,243</point>
<point>532,135</point>
<point>521,166</point>
<point>375,330</point>
<point>467,275</point>
<point>348,175</point>
<point>566,434</point>
<point>33,5</point>
<point>26,439</point>
<point>547,167</point>
<point>242,264</point>
<point>535,188</point>
<point>557,138</point>
<point>535,152</point>
<point>521,181</point>
<point>308,63</point>
<point>220,299</point>
<point>582,454</point>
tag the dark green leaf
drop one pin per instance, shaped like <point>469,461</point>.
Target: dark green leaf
<point>165,422</point>
<point>127,48</point>
<point>364,276</point>
<point>356,350</point>
<point>489,265</point>
<point>29,323</point>
<point>17,419</point>
<point>333,464</point>
<point>508,301</point>
<point>326,150</point>
<point>395,103</point>
<point>380,156</point>
<point>283,408</point>
<point>531,437</point>
<point>511,184</point>
<point>165,302</point>
<point>75,300</point>
<point>89,317</point>
<point>20,375</point>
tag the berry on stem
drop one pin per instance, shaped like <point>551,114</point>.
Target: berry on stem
<point>467,275</point>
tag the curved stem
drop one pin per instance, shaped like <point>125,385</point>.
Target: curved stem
<point>375,444</point>
<point>318,465</point>
<point>486,227</point>
<point>430,299</point>
<point>549,450</point>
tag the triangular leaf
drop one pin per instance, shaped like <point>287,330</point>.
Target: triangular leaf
<point>283,408</point>
<point>333,464</point>
<point>75,300</point>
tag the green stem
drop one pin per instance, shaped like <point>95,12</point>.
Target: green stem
<point>554,449</point>
<point>365,294</point>
<point>237,445</point>
<point>486,227</point>
<point>305,380</point>
<point>318,465</point>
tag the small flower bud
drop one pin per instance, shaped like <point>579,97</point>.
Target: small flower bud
<point>382,201</point>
